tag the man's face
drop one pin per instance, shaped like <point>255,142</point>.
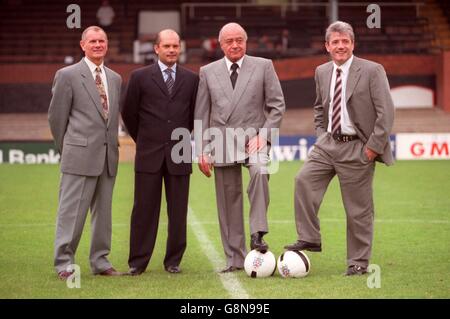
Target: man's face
<point>95,46</point>
<point>168,49</point>
<point>340,46</point>
<point>233,43</point>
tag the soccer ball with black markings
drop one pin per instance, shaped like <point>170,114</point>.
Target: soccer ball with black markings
<point>294,264</point>
<point>258,264</point>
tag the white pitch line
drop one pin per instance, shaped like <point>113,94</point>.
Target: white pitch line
<point>229,281</point>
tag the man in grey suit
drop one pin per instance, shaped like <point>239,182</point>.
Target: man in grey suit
<point>353,116</point>
<point>84,118</point>
<point>239,101</point>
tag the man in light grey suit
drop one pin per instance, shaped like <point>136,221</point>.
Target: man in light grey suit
<point>239,101</point>
<point>84,117</point>
<point>353,116</point>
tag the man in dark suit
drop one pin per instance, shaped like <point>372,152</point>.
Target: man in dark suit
<point>84,118</point>
<point>353,115</point>
<point>160,98</point>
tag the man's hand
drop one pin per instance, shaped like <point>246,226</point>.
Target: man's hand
<point>255,144</point>
<point>370,154</point>
<point>205,165</point>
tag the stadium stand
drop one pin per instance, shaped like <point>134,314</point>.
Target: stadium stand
<point>410,43</point>
<point>35,31</point>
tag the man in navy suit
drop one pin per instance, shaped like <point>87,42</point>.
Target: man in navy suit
<point>160,98</point>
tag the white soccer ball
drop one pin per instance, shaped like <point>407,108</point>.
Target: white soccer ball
<point>257,264</point>
<point>293,264</point>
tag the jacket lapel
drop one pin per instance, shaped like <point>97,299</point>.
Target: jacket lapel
<point>328,74</point>
<point>244,76</point>
<point>353,77</point>
<point>112,97</point>
<point>242,80</point>
<point>223,76</point>
<point>90,86</point>
<point>158,78</point>
<point>179,79</point>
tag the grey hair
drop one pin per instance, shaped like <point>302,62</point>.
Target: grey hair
<point>226,26</point>
<point>340,27</point>
<point>94,28</point>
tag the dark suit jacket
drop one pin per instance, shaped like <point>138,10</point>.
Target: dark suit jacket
<point>150,115</point>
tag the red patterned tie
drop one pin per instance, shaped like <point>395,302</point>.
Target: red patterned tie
<point>101,91</point>
<point>336,116</point>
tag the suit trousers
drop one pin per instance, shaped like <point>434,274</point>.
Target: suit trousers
<point>228,183</point>
<point>146,212</point>
<point>76,195</point>
<point>355,173</point>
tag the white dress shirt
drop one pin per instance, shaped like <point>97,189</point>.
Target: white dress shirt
<point>229,64</point>
<point>163,67</point>
<point>92,66</point>
<point>346,123</point>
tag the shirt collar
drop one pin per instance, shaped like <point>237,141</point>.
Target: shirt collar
<point>344,67</point>
<point>92,66</point>
<point>163,67</point>
<point>238,62</point>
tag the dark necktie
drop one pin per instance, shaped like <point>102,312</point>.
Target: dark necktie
<point>336,116</point>
<point>101,91</point>
<point>234,74</point>
<point>170,81</point>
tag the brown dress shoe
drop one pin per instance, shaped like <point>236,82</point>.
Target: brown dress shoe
<point>173,269</point>
<point>110,272</point>
<point>230,269</point>
<point>63,275</point>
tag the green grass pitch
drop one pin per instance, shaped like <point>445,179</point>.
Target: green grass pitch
<point>411,240</point>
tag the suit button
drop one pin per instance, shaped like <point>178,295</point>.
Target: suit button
<point>169,121</point>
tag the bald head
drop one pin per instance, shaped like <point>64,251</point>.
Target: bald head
<point>166,33</point>
<point>167,47</point>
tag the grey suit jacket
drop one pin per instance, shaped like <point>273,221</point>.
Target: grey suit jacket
<point>369,104</point>
<point>257,102</point>
<point>84,138</point>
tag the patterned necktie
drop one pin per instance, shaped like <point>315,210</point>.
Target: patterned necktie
<point>336,116</point>
<point>101,91</point>
<point>170,81</point>
<point>234,74</point>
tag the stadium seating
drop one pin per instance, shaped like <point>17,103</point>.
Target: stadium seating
<point>36,31</point>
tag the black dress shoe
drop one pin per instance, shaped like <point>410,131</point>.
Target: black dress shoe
<point>230,269</point>
<point>257,242</point>
<point>304,245</point>
<point>173,269</point>
<point>355,270</point>
<point>134,271</point>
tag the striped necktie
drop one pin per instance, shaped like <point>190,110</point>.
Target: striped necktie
<point>336,115</point>
<point>101,91</point>
<point>170,81</point>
